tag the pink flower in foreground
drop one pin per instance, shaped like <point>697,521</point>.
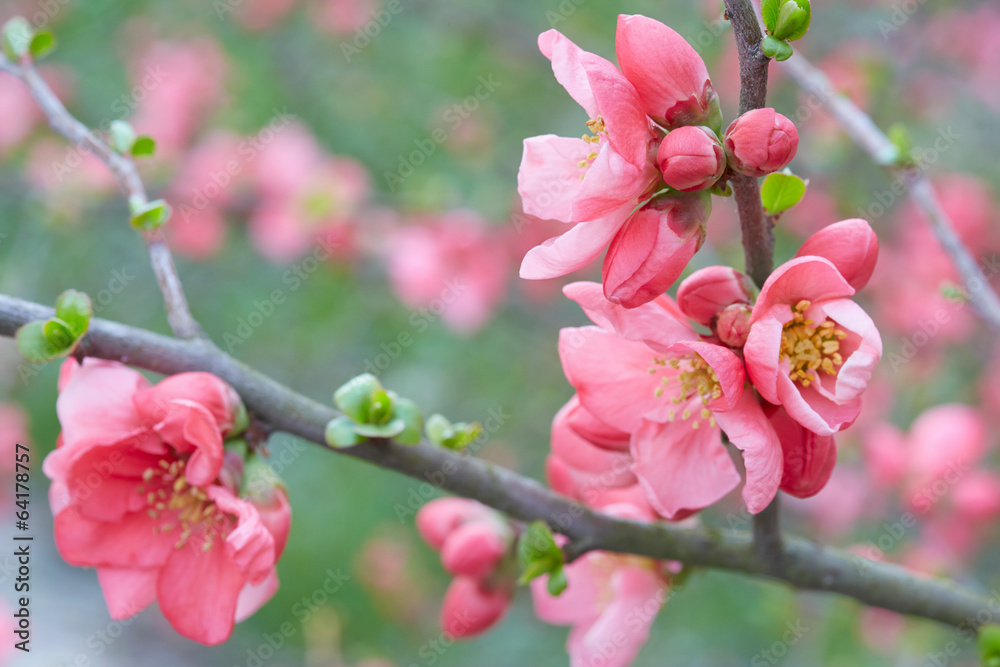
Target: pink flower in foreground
<point>473,540</point>
<point>691,158</point>
<point>454,266</point>
<point>760,142</point>
<point>21,113</point>
<point>645,372</point>
<point>596,182</point>
<point>611,602</point>
<point>810,348</point>
<point>143,490</point>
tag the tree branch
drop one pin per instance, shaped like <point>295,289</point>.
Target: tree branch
<point>178,314</point>
<point>806,565</point>
<point>758,229</point>
<point>863,130</point>
<point>758,235</point>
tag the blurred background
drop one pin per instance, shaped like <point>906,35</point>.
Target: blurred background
<point>343,179</point>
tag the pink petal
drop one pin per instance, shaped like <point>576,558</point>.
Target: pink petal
<point>575,249</point>
<point>762,353</point>
<point>250,544</point>
<point>205,389</point>
<point>568,67</point>
<point>95,406</point>
<point>813,410</point>
<point>127,591</point>
<point>132,542</point>
<point>610,183</point>
<point>703,294</point>
<point>254,596</point>
<point>549,177</point>
<point>747,428</point>
<point>850,245</point>
<point>680,467</point>
<point>657,321</point>
<point>438,518</point>
<point>592,429</point>
<point>727,366</point>
<point>803,278</point>
<point>189,427</point>
<point>856,372</point>
<point>473,549</point>
<point>471,607</point>
<point>808,458</point>
<point>583,455</point>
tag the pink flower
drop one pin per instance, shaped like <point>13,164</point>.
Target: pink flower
<point>645,372</point>
<point>21,113</point>
<point>13,432</point>
<point>654,246</point>
<point>453,265</point>
<point>760,142</point>
<point>704,294</point>
<point>611,603</point>
<point>691,158</point>
<point>473,541</point>
<point>596,182</point>
<point>143,491</point>
<point>810,348</point>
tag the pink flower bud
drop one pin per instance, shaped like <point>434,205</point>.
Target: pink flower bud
<point>474,549</point>
<point>439,518</point>
<point>706,292</point>
<point>651,250</point>
<point>733,325</point>
<point>760,142</point>
<point>691,158</point>
<point>471,607</point>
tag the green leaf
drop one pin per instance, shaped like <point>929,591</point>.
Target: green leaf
<point>439,430</point>
<point>73,308</point>
<point>776,48</point>
<point>42,44</point>
<point>389,430</point>
<point>989,643</point>
<point>557,582</point>
<point>121,136</point>
<point>903,142</point>
<point>465,435</point>
<point>15,38</point>
<point>413,419</point>
<point>380,407</point>
<point>150,215</point>
<point>340,433</point>
<point>769,12</point>
<point>144,146</point>
<point>354,397</point>
<point>793,20</point>
<point>58,333</point>
<point>537,552</point>
<point>33,344</point>
<point>781,191</point>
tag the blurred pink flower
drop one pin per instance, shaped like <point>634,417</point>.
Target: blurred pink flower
<point>342,17</point>
<point>21,113</point>
<point>13,432</point>
<point>162,520</point>
<point>453,264</point>
<point>262,14</point>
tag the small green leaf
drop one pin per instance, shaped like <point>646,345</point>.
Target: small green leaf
<point>776,48</point>
<point>769,12</point>
<point>58,333</point>
<point>557,582</point>
<point>953,292</point>
<point>340,433</point>
<point>408,411</point>
<point>15,38</point>
<point>538,553</point>
<point>903,142</point>
<point>73,308</point>
<point>389,430</point>
<point>439,430</point>
<point>144,146</point>
<point>793,20</point>
<point>150,215</point>
<point>781,191</point>
<point>989,643</point>
<point>465,434</point>
<point>354,397</point>
<point>121,136</point>
<point>380,407</point>
<point>42,44</point>
<point>33,344</point>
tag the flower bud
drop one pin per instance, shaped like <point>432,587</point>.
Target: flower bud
<point>474,549</point>
<point>651,250</point>
<point>760,142</point>
<point>733,325</point>
<point>706,292</point>
<point>471,607</point>
<point>440,517</point>
<point>691,158</point>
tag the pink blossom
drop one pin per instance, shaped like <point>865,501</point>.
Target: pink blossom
<point>704,294</point>
<point>654,246</point>
<point>760,142</point>
<point>262,14</point>
<point>472,606</point>
<point>452,264</point>
<point>343,17</point>
<point>597,181</point>
<point>21,113</point>
<point>811,349</point>
<point>612,600</point>
<point>691,158</point>
<point>645,372</point>
<point>163,521</point>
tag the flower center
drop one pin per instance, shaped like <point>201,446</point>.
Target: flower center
<point>694,378</point>
<point>597,127</point>
<point>177,504</point>
<point>810,348</point>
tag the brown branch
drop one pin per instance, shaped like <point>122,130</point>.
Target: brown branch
<point>124,170</point>
<point>758,229</point>
<point>806,565</point>
<point>863,130</point>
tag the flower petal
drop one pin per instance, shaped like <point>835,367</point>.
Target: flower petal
<point>127,591</point>
<point>575,249</point>
<point>850,245</point>
<point>746,427</point>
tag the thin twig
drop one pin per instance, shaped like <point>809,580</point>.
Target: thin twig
<point>758,229</point>
<point>806,565</point>
<point>863,130</point>
<point>178,314</point>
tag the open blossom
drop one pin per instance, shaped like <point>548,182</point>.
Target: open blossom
<point>611,600</point>
<point>811,349</point>
<point>645,372</point>
<point>143,490</point>
<point>597,182</point>
<point>760,141</point>
<point>474,541</point>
